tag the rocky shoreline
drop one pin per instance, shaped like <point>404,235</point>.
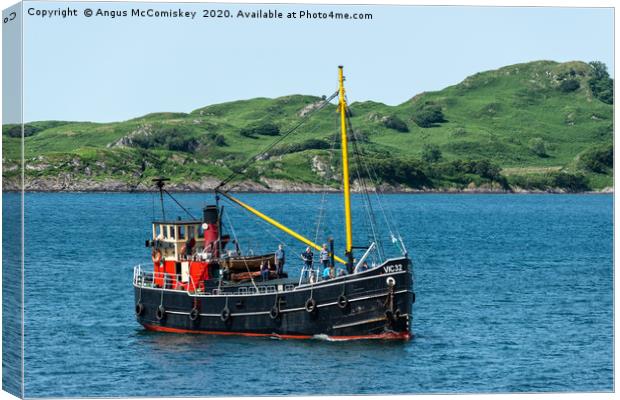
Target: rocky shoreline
<point>52,185</point>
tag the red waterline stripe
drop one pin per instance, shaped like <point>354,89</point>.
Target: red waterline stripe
<point>386,335</point>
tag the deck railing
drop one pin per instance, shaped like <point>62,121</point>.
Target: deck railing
<point>148,279</point>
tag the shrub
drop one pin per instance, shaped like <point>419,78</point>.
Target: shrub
<point>182,144</point>
<point>597,159</point>
<point>15,131</point>
<point>569,85</point>
<point>167,137</point>
<point>458,169</point>
<point>485,169</point>
<point>393,122</point>
<point>396,171</point>
<point>570,182</point>
<point>562,180</point>
<point>600,83</point>
<point>266,129</point>
<point>217,139</point>
<point>309,144</point>
<point>428,115</point>
<point>431,153</point>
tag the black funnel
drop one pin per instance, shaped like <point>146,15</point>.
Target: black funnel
<point>209,214</point>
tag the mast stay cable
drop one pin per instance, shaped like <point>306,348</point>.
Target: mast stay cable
<point>366,196</point>
<point>240,170</point>
<point>389,221</point>
<point>322,206</point>
<point>179,204</point>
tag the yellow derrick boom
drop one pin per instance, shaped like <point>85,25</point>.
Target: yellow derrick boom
<point>277,224</point>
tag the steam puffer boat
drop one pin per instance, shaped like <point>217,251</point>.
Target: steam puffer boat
<point>202,283</point>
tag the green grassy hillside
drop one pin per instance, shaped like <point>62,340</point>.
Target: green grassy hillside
<point>538,125</point>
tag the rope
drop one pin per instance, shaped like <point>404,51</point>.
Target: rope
<point>179,204</point>
<point>234,174</point>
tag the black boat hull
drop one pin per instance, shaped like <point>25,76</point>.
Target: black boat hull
<point>373,304</point>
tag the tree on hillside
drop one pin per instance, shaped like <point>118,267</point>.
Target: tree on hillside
<point>393,122</point>
<point>431,153</point>
<point>428,114</point>
<point>569,85</point>
<point>16,130</point>
<point>601,84</point>
<point>265,128</point>
<point>597,159</point>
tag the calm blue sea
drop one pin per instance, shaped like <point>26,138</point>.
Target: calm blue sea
<point>514,294</point>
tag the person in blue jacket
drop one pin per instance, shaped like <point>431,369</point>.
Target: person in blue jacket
<point>328,273</point>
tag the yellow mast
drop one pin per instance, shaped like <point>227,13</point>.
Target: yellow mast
<point>345,167</point>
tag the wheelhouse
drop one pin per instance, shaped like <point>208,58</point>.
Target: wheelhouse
<point>184,253</point>
<point>174,238</point>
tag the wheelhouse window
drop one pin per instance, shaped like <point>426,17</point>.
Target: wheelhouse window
<point>191,231</point>
<point>158,231</point>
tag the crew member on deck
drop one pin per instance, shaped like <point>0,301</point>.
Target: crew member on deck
<point>307,256</point>
<point>189,247</point>
<point>329,273</point>
<point>324,256</point>
<point>280,259</point>
<point>264,271</point>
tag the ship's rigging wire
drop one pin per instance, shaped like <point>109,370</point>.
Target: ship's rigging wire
<point>388,216</point>
<point>179,204</point>
<point>373,177</point>
<point>360,164</point>
<point>362,182</point>
<point>366,197</point>
<point>240,170</point>
<point>322,206</point>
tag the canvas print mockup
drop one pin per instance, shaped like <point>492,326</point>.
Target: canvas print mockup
<point>204,199</point>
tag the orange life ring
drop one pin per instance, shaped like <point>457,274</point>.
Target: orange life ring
<point>156,256</point>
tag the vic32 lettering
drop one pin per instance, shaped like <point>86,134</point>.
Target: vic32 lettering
<point>393,268</point>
